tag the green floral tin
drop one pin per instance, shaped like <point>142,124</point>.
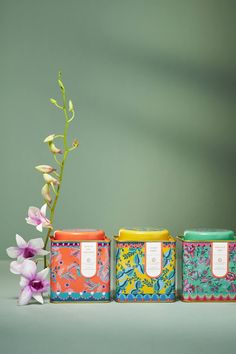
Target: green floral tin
<point>208,266</point>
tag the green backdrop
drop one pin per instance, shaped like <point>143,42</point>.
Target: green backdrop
<point>153,83</point>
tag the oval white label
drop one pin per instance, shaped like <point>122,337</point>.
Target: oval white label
<point>88,259</point>
<point>219,260</point>
<point>153,262</point>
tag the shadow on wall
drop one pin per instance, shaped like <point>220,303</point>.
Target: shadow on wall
<point>166,130</point>
<point>219,80</point>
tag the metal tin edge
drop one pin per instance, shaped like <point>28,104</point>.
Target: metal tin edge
<point>180,238</point>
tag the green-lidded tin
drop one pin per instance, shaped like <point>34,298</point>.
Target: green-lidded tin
<point>208,234</point>
<point>208,265</point>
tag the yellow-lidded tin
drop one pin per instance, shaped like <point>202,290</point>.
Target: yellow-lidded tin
<point>144,235</point>
<point>145,265</point>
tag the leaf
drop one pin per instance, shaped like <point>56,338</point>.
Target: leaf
<point>167,254</point>
<point>138,284</point>
<point>169,290</point>
<point>117,253</point>
<point>165,262</point>
<point>141,268</point>
<point>157,286</point>
<point>137,259</point>
<point>71,277</point>
<point>134,292</point>
<point>103,272</point>
<point>171,275</point>
<point>120,274</point>
<point>161,283</point>
<point>123,284</point>
<point>129,271</point>
<point>73,265</point>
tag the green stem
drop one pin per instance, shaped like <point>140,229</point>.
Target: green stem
<point>72,117</point>
<point>72,148</point>
<point>49,206</point>
<point>60,175</point>
<point>56,159</point>
<point>56,174</point>
<point>53,188</point>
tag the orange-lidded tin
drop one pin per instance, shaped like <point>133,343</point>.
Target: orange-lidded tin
<point>80,266</point>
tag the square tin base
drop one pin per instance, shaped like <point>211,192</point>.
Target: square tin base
<point>145,298</point>
<point>80,297</point>
<point>208,298</point>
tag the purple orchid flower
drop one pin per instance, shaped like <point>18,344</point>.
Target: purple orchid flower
<point>32,284</point>
<point>37,217</point>
<point>25,250</point>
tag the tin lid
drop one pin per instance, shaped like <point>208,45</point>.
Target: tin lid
<point>143,235</point>
<point>79,234</point>
<point>208,234</point>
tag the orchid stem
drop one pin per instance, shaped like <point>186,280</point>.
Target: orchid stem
<point>56,159</point>
<point>49,206</point>
<point>53,188</point>
<point>61,172</point>
<point>72,148</point>
<point>56,174</point>
<point>72,117</point>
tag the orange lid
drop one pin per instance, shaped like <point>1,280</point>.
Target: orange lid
<point>79,234</point>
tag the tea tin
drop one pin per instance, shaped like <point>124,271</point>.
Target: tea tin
<point>80,266</point>
<point>145,266</point>
<point>208,265</point>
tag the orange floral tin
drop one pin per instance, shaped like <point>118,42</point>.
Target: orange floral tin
<point>80,266</point>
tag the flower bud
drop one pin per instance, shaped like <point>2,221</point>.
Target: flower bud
<point>61,85</point>
<point>45,168</point>
<point>45,191</point>
<point>53,101</point>
<point>49,179</point>
<point>49,138</point>
<point>71,107</point>
<point>54,149</point>
<point>75,143</point>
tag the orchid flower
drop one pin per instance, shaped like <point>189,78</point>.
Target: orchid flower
<point>25,250</point>
<point>49,138</point>
<point>45,168</point>
<point>53,101</point>
<point>37,217</point>
<point>32,284</point>
<point>50,180</point>
<point>54,149</point>
<point>71,107</point>
<point>75,143</point>
<point>45,191</point>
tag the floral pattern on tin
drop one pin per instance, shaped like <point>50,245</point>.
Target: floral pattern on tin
<point>132,282</point>
<point>66,270</point>
<point>198,280</point>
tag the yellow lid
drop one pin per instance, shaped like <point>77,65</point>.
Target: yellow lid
<point>144,235</point>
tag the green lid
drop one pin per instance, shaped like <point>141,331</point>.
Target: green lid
<point>208,234</point>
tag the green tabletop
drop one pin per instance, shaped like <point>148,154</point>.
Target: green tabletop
<point>112,328</point>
